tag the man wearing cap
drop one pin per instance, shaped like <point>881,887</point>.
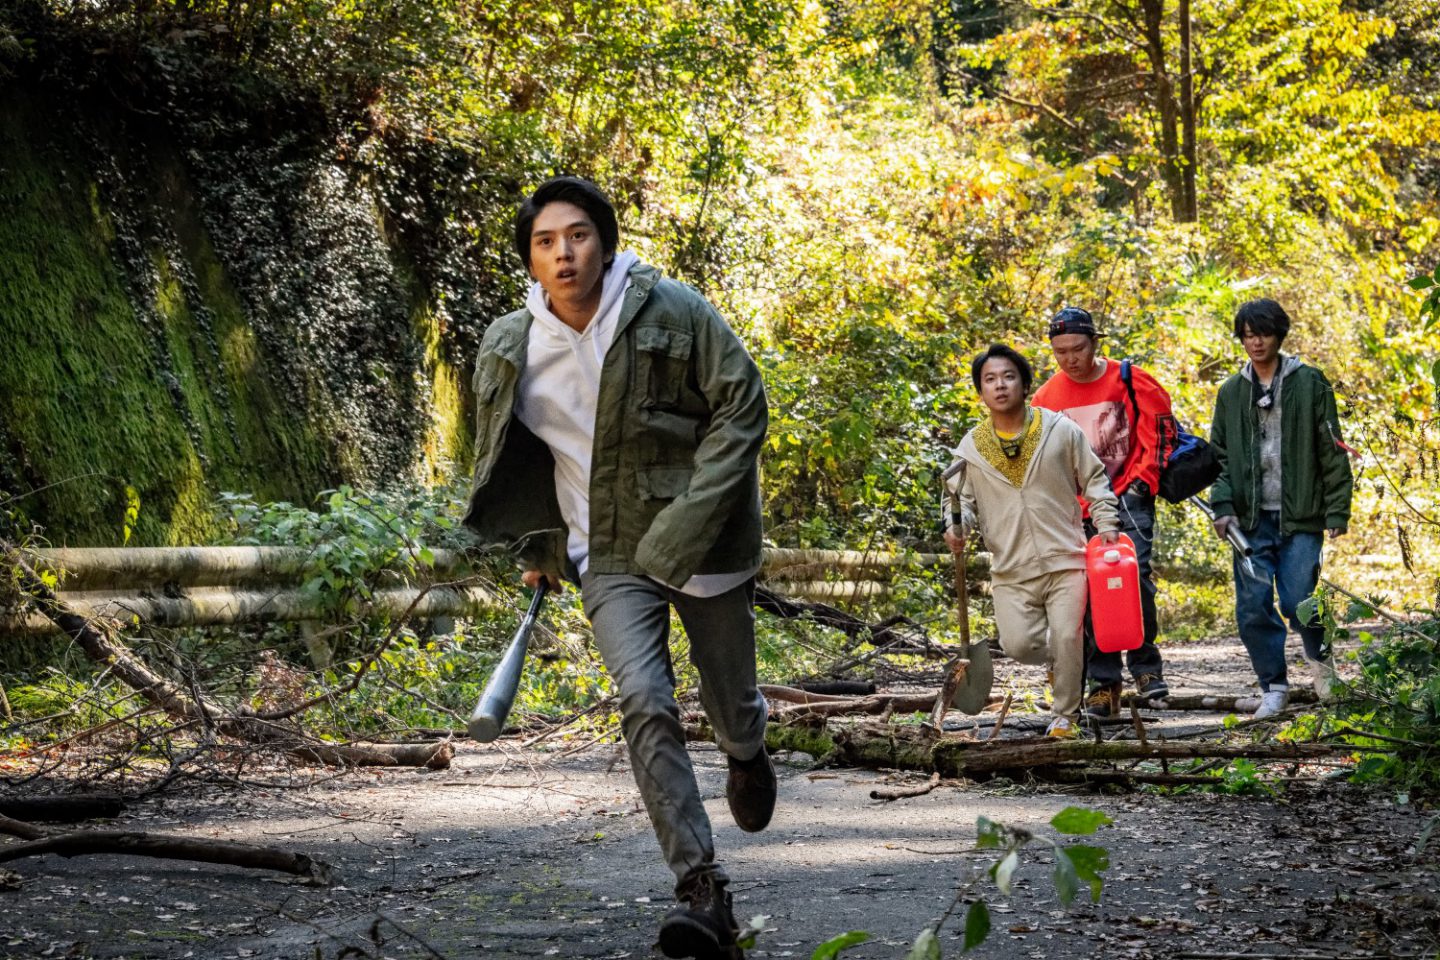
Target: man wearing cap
<point>1123,424</point>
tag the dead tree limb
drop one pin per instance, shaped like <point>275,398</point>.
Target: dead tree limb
<point>912,747</point>
<point>162,846</point>
<point>880,634</point>
<point>1225,703</point>
<point>878,704</point>
<point>103,648</point>
<point>901,793</point>
<point>63,808</point>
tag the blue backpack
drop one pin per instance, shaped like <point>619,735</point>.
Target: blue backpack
<point>1188,464</point>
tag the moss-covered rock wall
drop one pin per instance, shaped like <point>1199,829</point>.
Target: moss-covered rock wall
<point>196,305</point>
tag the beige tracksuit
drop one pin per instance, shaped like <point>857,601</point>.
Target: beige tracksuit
<point>1037,546</point>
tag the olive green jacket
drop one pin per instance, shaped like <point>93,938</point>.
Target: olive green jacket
<point>674,482</point>
<point>1315,477</point>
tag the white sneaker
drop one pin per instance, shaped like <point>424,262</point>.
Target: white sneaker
<point>1322,674</point>
<point>1272,701</point>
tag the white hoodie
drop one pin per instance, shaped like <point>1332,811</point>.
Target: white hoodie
<point>559,390</point>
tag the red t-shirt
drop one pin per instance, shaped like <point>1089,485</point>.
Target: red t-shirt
<point>1130,449</point>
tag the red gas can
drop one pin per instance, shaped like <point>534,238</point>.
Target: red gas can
<point>1113,577</point>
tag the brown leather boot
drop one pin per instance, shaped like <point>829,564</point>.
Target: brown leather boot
<point>702,926</point>
<point>1104,701</point>
<point>751,791</point>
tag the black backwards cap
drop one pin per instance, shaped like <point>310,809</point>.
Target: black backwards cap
<point>1073,320</point>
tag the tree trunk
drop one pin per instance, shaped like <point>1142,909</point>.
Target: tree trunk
<point>1162,89</point>
<point>1189,170</point>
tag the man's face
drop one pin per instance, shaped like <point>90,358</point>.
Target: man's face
<point>1000,388</point>
<point>1075,353</point>
<point>1263,349</point>
<point>566,255</point>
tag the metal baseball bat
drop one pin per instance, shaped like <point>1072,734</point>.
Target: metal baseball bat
<point>494,707</point>
<point>1233,535</point>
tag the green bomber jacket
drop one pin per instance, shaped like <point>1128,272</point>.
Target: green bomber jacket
<point>1315,476</point>
<point>674,478</point>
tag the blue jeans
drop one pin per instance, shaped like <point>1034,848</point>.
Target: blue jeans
<point>1287,565</point>
<point>1137,521</point>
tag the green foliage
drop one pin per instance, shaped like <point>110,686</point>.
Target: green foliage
<point>1079,820</point>
<point>1243,777</point>
<point>356,543</point>
<point>847,183</point>
<point>977,925</point>
<point>1195,610</point>
<point>835,946</point>
<point>1393,709</point>
<point>55,693</point>
<point>1076,865</point>
<point>349,543</point>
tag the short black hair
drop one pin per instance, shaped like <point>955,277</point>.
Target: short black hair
<point>1264,316</point>
<point>998,351</point>
<point>576,190</point>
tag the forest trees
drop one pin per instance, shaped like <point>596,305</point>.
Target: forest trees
<point>1181,88</point>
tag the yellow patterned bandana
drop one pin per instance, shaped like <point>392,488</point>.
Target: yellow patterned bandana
<point>990,447</point>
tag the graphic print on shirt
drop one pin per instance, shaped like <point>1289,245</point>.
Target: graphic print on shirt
<point>1107,427</point>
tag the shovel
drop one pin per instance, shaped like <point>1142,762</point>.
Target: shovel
<point>970,677</point>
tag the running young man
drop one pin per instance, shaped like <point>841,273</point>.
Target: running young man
<point>1125,435</point>
<point>1286,481</point>
<point>1023,468</point>
<point>618,424</point>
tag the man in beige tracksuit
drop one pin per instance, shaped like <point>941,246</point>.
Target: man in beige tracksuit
<point>1023,469</point>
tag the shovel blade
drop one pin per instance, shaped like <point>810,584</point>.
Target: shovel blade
<point>973,692</point>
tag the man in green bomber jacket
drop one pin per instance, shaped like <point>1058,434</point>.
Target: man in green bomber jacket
<point>618,426</point>
<point>1286,481</point>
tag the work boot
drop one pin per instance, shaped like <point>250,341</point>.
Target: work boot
<point>1151,686</point>
<point>1104,701</point>
<point>1322,674</point>
<point>1272,701</point>
<point>751,790</point>
<point>701,926</point>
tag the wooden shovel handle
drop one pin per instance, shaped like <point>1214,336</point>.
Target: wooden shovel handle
<point>962,596</point>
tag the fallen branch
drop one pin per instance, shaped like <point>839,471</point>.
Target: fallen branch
<point>900,793</point>
<point>912,747</point>
<point>880,703</point>
<point>778,693</point>
<point>842,688</point>
<point>1000,720</point>
<point>878,634</point>
<point>954,676</point>
<point>104,648</point>
<point>63,808</point>
<point>1223,703</point>
<point>431,756</point>
<point>161,846</point>
<point>1133,778</point>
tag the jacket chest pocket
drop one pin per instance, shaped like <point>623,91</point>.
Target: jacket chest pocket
<point>662,361</point>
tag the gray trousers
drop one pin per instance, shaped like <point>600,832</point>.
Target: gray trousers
<point>631,620</point>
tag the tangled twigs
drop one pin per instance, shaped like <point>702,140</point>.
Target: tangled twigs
<point>161,845</point>
<point>104,648</point>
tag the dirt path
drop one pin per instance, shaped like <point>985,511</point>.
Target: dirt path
<point>512,854</point>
